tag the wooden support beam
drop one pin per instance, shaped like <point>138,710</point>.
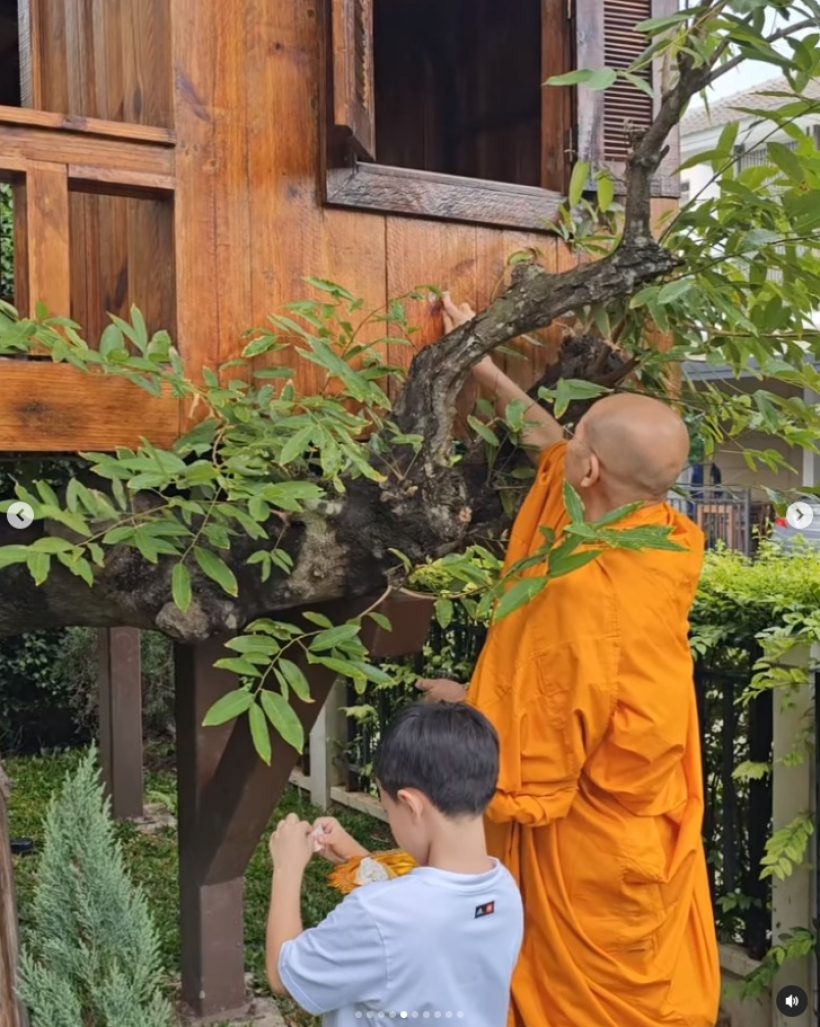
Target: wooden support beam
<point>226,797</point>
<point>11,1011</point>
<point>98,128</point>
<point>120,691</point>
<point>125,153</point>
<point>54,408</point>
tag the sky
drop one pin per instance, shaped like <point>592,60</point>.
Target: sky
<point>747,74</point>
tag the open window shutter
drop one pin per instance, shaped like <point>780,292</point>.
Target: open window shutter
<point>605,37</point>
<point>353,101</point>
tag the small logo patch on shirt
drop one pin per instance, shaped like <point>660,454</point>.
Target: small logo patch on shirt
<point>485,910</point>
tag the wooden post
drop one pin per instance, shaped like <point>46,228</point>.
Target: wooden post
<point>11,1011</point>
<point>120,691</point>
<point>226,797</point>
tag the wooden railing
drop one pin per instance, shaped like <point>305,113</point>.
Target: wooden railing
<point>47,407</point>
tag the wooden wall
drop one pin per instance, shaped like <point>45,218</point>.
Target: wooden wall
<point>241,82</point>
<point>108,59</point>
<point>250,224</point>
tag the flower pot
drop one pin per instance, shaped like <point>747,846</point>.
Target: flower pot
<point>410,614</point>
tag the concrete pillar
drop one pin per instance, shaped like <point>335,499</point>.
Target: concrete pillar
<point>326,741</point>
<point>792,794</point>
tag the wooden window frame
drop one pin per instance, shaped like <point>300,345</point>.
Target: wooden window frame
<point>352,179</point>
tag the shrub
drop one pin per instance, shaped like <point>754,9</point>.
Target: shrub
<point>91,955</point>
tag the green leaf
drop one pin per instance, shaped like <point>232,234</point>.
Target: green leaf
<point>283,719</point>
<point>572,501</point>
<point>640,82</point>
<point>382,621</point>
<point>39,564</point>
<point>606,190</point>
<point>181,587</point>
<point>787,161</point>
<point>238,665</point>
<point>296,679</point>
<point>578,182</point>
<point>259,733</point>
<point>318,619</point>
<point>444,612</point>
<point>675,290</point>
<point>13,554</point>
<point>562,565</point>
<point>111,341</point>
<point>228,707</point>
<point>217,570</point>
<point>333,637</point>
<point>519,595</point>
<point>602,78</point>
<point>296,445</point>
<point>483,431</point>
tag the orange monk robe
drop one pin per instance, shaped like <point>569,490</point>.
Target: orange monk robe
<point>600,799</point>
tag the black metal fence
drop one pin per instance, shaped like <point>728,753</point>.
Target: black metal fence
<point>738,814</point>
<point>449,652</point>
<point>725,514</point>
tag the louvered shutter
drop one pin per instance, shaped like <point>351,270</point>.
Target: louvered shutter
<point>353,102</point>
<point>605,37</point>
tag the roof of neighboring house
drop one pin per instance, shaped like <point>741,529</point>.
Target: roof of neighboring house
<point>724,111</point>
<point>700,371</point>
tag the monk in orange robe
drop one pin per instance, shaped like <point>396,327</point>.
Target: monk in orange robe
<point>599,805</point>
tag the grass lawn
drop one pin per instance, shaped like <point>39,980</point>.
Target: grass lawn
<point>152,860</point>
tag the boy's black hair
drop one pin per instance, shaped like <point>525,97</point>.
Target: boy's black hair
<point>448,751</point>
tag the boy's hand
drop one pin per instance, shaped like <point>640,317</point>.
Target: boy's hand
<point>291,845</point>
<point>334,843</point>
<point>441,690</point>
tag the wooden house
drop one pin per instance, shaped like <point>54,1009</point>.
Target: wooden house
<point>199,158</point>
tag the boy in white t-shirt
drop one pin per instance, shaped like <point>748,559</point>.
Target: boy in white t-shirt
<point>440,943</point>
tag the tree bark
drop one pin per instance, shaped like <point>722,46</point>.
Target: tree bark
<point>11,1012</point>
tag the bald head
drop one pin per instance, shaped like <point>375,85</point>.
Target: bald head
<point>641,444</point>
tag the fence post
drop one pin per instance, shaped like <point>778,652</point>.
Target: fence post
<point>792,794</point>
<point>327,738</point>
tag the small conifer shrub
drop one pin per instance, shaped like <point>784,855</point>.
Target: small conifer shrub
<point>91,953</point>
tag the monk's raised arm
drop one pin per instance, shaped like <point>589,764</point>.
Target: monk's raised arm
<point>541,430</point>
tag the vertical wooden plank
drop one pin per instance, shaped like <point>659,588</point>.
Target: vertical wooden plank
<point>120,695</point>
<point>198,286</point>
<point>30,25</point>
<point>429,253</point>
<point>493,252</point>
<point>292,234</point>
<point>556,103</point>
<point>11,1012</point>
<point>145,28</point>
<point>48,242</point>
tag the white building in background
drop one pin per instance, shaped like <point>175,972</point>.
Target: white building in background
<point>700,132</point>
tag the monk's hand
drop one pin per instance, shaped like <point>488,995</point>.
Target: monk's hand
<point>441,690</point>
<point>455,314</point>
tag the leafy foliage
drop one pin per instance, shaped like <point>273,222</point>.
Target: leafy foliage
<point>6,244</point>
<point>91,956</point>
<point>771,602</point>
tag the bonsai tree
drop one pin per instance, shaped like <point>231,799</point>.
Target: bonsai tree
<point>278,501</point>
